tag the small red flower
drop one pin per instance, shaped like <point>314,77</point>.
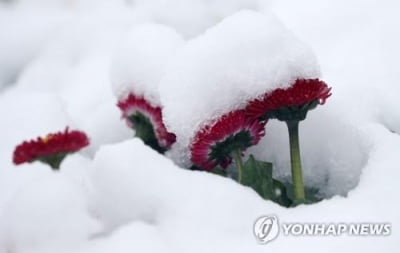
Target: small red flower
<point>146,119</point>
<point>214,144</point>
<point>50,149</point>
<point>302,92</point>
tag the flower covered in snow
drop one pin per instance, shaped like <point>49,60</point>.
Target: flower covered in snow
<point>51,149</point>
<point>291,106</point>
<point>292,103</point>
<point>236,61</point>
<point>147,121</point>
<point>228,136</point>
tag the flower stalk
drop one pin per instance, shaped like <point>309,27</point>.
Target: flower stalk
<point>239,163</point>
<point>295,158</point>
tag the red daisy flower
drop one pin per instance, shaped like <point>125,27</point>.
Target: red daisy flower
<point>233,132</point>
<point>51,149</point>
<point>147,122</point>
<point>290,103</point>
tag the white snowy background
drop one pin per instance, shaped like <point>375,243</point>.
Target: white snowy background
<point>118,195</point>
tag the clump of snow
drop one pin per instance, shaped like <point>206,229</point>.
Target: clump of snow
<point>243,57</point>
<point>104,129</point>
<point>146,186</point>
<point>141,58</point>
<point>23,33</point>
<point>49,211</point>
<point>156,199</point>
<point>135,171</point>
<point>136,236</point>
<point>189,17</point>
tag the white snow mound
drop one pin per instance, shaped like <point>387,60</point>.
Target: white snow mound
<point>141,58</point>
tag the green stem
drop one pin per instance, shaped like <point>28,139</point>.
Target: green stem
<point>239,163</point>
<point>297,176</point>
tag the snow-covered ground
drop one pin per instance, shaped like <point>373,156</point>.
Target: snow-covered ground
<point>57,60</point>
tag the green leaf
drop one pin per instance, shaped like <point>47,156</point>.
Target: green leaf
<point>258,175</point>
<point>281,194</point>
<point>312,194</point>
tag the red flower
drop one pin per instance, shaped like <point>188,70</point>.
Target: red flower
<point>147,121</point>
<point>309,92</point>
<point>214,144</point>
<point>50,149</point>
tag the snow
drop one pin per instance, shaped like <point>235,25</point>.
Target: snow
<point>140,61</point>
<point>120,196</point>
<point>189,17</point>
<point>167,207</point>
<point>50,211</point>
<point>22,39</point>
<point>243,57</point>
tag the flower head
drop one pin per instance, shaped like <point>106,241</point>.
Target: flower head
<point>50,149</point>
<point>146,119</point>
<point>214,144</point>
<point>290,103</point>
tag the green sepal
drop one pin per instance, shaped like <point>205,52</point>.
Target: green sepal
<point>144,130</point>
<point>290,113</point>
<point>54,161</point>
<point>224,149</point>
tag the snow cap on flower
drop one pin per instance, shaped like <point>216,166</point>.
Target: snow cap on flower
<point>43,148</point>
<point>140,60</point>
<point>214,144</point>
<point>245,56</point>
<point>137,110</point>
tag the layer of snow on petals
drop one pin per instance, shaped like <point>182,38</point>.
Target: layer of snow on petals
<point>241,58</point>
<point>140,60</point>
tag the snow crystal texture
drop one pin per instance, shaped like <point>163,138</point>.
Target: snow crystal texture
<point>141,58</point>
<point>243,57</point>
